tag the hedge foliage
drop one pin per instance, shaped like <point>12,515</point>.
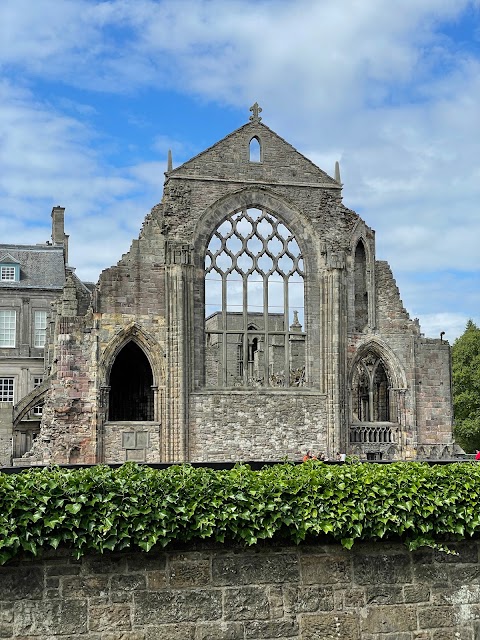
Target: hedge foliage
<point>99,508</point>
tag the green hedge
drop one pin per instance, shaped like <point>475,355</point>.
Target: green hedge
<point>138,507</point>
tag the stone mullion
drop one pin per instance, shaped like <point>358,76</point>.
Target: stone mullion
<point>245,334</point>
<point>286,336</point>
<point>224,328</point>
<point>266,328</point>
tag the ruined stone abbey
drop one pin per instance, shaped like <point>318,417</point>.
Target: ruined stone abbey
<point>250,320</point>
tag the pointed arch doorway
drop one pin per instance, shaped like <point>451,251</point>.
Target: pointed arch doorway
<point>131,395</point>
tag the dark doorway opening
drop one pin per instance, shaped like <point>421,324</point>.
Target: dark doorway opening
<point>131,380</point>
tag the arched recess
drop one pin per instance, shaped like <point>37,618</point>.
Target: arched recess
<point>362,312</point>
<point>283,213</point>
<point>131,371</point>
<point>377,385</point>
<point>131,394</point>
<point>255,150</point>
<point>360,287</point>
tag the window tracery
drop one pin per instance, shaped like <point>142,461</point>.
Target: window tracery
<point>254,303</point>
<point>371,397</point>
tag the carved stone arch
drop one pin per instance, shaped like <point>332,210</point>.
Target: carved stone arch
<point>391,453</point>
<point>446,453</point>
<point>147,343</point>
<point>32,399</point>
<point>434,453</point>
<point>131,371</point>
<point>376,346</point>
<point>362,280</point>
<point>282,358</point>
<point>375,357</point>
<point>421,453</point>
<point>359,234</point>
<point>261,198</point>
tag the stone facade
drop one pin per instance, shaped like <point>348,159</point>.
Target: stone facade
<point>323,592</point>
<point>344,370</point>
<point>31,279</point>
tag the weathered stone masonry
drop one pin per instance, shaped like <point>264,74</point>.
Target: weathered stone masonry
<point>374,592</point>
<point>370,383</point>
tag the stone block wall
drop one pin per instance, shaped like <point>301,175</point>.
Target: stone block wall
<point>322,592</point>
<point>433,391</point>
<point>239,425</point>
<point>131,441</point>
<point>6,410</point>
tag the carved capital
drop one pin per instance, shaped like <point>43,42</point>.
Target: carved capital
<point>335,260</point>
<point>178,253</point>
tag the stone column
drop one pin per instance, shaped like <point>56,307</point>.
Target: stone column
<point>334,317</point>
<point>178,369</point>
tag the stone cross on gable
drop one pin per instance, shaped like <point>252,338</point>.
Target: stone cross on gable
<point>255,109</point>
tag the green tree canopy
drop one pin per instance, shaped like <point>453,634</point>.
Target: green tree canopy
<point>466,387</point>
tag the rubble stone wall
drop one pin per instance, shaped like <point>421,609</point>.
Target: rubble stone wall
<point>269,425</point>
<point>392,317</point>
<point>131,441</point>
<point>323,592</point>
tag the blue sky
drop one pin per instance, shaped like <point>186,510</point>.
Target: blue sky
<point>93,94</point>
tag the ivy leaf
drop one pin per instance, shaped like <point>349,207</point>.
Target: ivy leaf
<point>73,508</point>
<point>347,542</point>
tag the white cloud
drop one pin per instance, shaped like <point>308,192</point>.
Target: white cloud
<point>229,50</point>
<point>375,84</point>
<point>47,159</point>
<point>453,324</point>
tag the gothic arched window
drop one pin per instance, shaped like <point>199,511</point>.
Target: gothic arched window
<point>361,295</point>
<point>371,401</point>
<point>254,303</point>
<point>255,150</point>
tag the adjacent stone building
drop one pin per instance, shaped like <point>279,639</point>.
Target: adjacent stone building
<point>31,279</point>
<point>249,321</point>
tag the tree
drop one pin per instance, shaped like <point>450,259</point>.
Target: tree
<point>466,387</point>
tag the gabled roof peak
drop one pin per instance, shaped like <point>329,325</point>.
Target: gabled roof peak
<point>229,160</point>
<point>8,259</point>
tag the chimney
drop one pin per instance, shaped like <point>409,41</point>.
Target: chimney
<point>58,229</point>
